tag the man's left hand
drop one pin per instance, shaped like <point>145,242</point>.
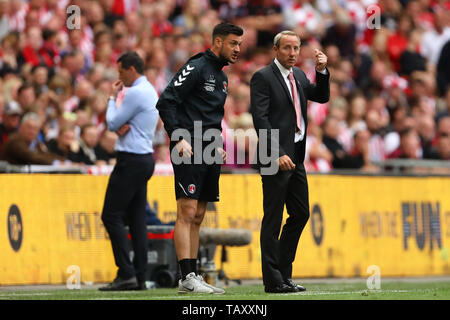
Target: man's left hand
<point>123,130</point>
<point>321,60</point>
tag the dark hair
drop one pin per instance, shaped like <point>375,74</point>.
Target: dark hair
<point>34,68</point>
<point>130,59</point>
<point>47,34</point>
<point>225,28</point>
<point>406,131</point>
<point>85,127</point>
<point>25,86</point>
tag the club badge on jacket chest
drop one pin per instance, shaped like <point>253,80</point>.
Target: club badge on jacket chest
<point>211,83</point>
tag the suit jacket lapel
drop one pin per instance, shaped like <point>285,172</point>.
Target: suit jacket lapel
<point>279,76</point>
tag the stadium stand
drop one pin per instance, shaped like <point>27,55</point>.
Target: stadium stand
<point>385,80</point>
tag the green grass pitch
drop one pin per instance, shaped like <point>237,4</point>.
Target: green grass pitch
<point>316,290</point>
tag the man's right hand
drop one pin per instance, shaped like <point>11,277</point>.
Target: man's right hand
<point>117,87</point>
<point>184,148</point>
<point>285,163</point>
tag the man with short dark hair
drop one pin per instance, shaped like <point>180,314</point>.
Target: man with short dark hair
<point>126,195</point>
<point>197,93</point>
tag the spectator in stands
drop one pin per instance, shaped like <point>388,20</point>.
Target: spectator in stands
<point>10,121</point>
<point>244,141</point>
<point>409,145</point>
<point>378,104</point>
<point>446,111</point>
<point>10,48</point>
<point>302,17</point>
<point>358,106</point>
<point>374,124</point>
<point>24,148</point>
<point>265,16</point>
<point>443,127</point>
<point>73,63</point>
<point>26,97</point>
<point>87,142</point>
<point>443,69</point>
<point>97,106</point>
<point>434,40</point>
<point>426,128</point>
<point>159,62</point>
<point>341,34</point>
<point>360,150</point>
<point>339,110</point>
<point>104,150</point>
<point>397,42</point>
<point>442,149</point>
<point>65,145</point>
<point>39,79</point>
<point>83,91</point>
<point>187,22</point>
<point>32,54</point>
<point>341,159</point>
<point>50,46</point>
<point>402,68</point>
<point>317,156</point>
<point>4,10</point>
<point>161,24</point>
<point>410,59</point>
<point>241,95</point>
<point>400,121</point>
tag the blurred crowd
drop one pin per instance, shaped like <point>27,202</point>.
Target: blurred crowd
<point>389,62</point>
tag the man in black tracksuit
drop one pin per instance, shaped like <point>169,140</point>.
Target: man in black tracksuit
<point>192,103</point>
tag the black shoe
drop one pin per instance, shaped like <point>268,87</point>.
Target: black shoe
<point>141,286</point>
<point>281,288</point>
<point>121,285</point>
<point>291,283</point>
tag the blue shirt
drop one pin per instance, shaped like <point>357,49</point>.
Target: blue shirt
<point>138,110</point>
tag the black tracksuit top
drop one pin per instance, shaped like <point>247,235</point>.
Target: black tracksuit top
<point>197,92</point>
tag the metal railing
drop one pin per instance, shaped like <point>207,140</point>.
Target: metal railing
<point>387,167</point>
<point>415,166</point>
<point>5,167</point>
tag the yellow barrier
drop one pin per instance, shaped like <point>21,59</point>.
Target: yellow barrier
<point>400,224</point>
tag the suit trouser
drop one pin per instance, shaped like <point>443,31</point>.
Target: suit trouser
<point>125,200</point>
<point>288,188</point>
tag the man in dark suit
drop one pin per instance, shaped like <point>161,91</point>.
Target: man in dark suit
<point>279,94</point>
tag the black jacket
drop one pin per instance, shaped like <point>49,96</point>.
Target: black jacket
<point>197,92</point>
<point>272,108</point>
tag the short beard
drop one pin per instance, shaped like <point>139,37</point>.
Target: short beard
<point>223,57</point>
